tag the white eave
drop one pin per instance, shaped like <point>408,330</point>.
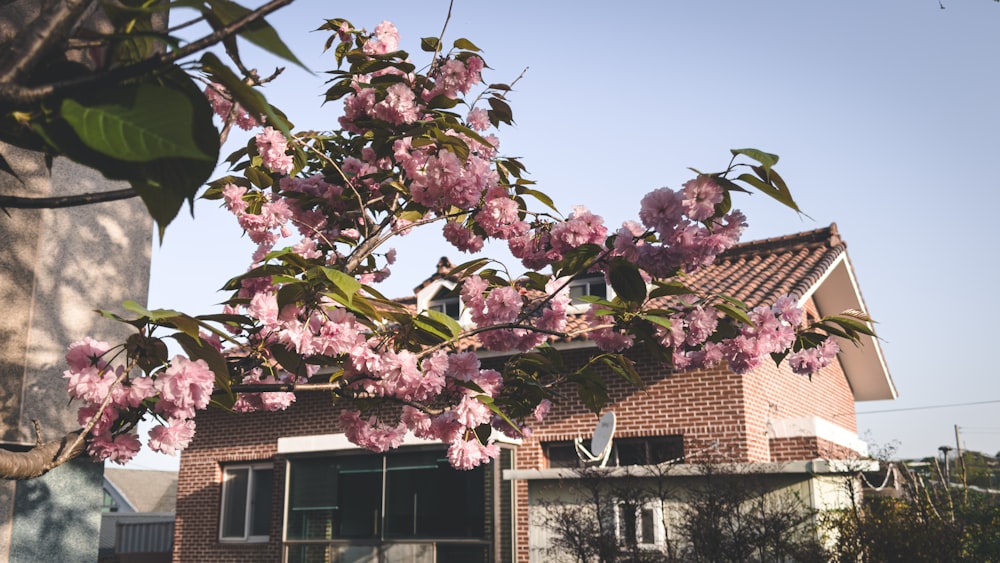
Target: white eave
<point>864,365</point>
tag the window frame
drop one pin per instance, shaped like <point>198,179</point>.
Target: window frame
<point>659,531</point>
<point>587,281</point>
<point>251,502</point>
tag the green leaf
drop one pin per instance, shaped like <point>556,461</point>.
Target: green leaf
<point>782,196</point>
<point>437,323</point>
<point>540,196</point>
<point>623,367</point>
<point>429,44</point>
<point>591,388</point>
<point>656,319</point>
<point>499,111</point>
<point>465,45</point>
<point>664,289</point>
<point>576,260</point>
<point>260,33</point>
<point>627,281</point>
<point>765,158</point>
<point>343,284</point>
<point>136,123</point>
<point>290,361</point>
<point>734,313</point>
<point>851,324</point>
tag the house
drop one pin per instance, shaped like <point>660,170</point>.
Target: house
<point>137,516</point>
<point>289,487</point>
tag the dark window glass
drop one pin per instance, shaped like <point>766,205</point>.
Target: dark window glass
<point>424,497</point>
<point>648,451</point>
<point>260,502</point>
<point>561,454</point>
<point>234,502</point>
<point>590,285</point>
<point>647,525</point>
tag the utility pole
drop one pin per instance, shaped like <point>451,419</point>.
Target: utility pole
<point>961,458</point>
<point>944,455</point>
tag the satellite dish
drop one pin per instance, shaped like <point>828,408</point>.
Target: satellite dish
<point>600,443</point>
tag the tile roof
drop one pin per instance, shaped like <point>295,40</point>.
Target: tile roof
<point>145,490</point>
<point>760,271</point>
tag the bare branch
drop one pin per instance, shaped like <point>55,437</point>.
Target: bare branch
<point>40,459</point>
<point>15,202</point>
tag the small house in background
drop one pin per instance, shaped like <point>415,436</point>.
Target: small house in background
<point>288,486</point>
<point>137,517</point>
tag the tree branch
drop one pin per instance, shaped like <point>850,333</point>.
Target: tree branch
<point>40,459</point>
<point>39,38</point>
<point>18,94</point>
<point>15,202</point>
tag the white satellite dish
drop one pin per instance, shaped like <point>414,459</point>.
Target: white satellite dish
<point>600,443</point>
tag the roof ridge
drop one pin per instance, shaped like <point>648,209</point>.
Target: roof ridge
<point>828,235</point>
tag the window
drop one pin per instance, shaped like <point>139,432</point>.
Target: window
<point>561,454</point>
<point>444,301</point>
<point>246,502</point>
<point>109,504</point>
<point>589,284</point>
<point>650,450</point>
<point>402,505</point>
<point>640,524</point>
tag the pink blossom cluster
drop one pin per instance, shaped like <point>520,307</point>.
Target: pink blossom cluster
<point>454,382</point>
<point>535,317</point>
<point>548,242</point>
<point>689,234</point>
<point>265,401</point>
<point>224,107</point>
<point>273,149</point>
<point>810,360</point>
<point>182,387</point>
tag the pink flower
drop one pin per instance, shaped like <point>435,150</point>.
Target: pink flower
<point>172,438</point>
<point>701,195</point>
<point>384,40</point>
<point>470,412</point>
<point>468,454</point>
<point>810,360</point>
<point>787,310</point>
<point>371,434</point>
<point>119,449</point>
<point>272,146</point>
<point>542,409</point>
<point>184,386</point>
<point>478,119</point>
<point>233,196</point>
<point>661,210</point>
<point>503,305</point>
<point>85,353</point>
<point>398,107</point>
<point>462,238</point>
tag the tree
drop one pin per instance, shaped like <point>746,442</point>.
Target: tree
<point>926,517</point>
<point>717,512</point>
<point>305,317</point>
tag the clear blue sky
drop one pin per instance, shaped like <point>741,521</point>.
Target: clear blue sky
<point>884,115</point>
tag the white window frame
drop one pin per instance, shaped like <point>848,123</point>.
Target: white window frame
<point>659,539</point>
<point>576,306</point>
<point>441,306</point>
<point>252,470</point>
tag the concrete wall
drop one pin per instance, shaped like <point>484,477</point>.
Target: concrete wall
<point>56,267</point>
